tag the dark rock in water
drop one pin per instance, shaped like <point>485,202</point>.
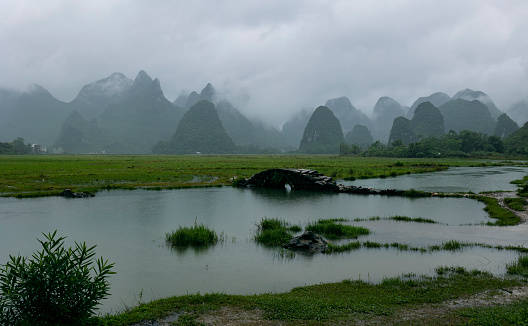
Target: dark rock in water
<point>70,194</point>
<point>308,241</point>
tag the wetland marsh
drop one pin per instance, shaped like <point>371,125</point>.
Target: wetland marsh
<point>129,228</point>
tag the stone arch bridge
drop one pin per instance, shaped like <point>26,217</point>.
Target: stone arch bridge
<point>305,179</point>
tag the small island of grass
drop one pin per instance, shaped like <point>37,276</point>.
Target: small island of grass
<point>197,235</point>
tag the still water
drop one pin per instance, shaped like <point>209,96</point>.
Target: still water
<point>128,228</point>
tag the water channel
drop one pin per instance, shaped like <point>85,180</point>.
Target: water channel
<point>129,227</point>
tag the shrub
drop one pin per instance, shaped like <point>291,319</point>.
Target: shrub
<point>198,235</point>
<point>55,287</point>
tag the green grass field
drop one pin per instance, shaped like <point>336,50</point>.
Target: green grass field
<point>47,175</point>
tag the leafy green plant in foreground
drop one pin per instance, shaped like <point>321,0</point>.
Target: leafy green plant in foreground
<point>198,235</point>
<point>55,287</point>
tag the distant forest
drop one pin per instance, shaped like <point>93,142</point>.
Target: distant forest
<point>464,144</point>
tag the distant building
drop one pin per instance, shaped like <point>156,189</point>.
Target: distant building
<point>38,149</point>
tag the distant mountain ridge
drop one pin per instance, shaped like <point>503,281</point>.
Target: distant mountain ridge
<point>120,115</point>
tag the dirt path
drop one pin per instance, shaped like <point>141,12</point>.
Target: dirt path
<point>500,196</point>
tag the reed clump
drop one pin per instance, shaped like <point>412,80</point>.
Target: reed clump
<point>274,231</point>
<point>197,235</point>
<point>332,230</point>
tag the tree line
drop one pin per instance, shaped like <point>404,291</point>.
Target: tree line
<point>463,144</point>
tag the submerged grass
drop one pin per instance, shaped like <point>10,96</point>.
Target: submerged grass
<point>451,245</point>
<point>503,216</point>
<point>520,267</point>
<point>332,230</point>
<point>344,303</point>
<point>197,235</point>
<point>274,231</point>
<point>398,218</point>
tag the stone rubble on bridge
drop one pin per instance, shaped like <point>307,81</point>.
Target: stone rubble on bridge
<point>305,179</point>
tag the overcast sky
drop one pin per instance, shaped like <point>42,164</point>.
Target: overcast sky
<point>273,56</point>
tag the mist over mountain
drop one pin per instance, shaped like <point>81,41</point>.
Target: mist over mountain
<point>427,120</point>
<point>93,98</point>
<point>402,130</point>
<point>242,131</point>
<point>120,115</point>
<point>293,128</point>
<point>347,114</point>
<point>472,115</point>
<point>505,126</point>
<point>138,123</point>
<point>471,95</point>
<point>518,111</point>
<point>200,130</point>
<point>37,117</point>
<point>79,135</point>
<point>323,133</point>
<point>383,115</point>
<point>360,136</point>
<point>435,99</point>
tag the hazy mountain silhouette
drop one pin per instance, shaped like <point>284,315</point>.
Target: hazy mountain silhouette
<point>402,130</point>
<point>242,131</point>
<point>518,111</point>
<point>384,113</point>
<point>293,128</point>
<point>36,117</point>
<point>347,114</point>
<point>467,115</point>
<point>435,99</point>
<point>138,123</point>
<point>360,135</point>
<point>471,95</point>
<point>200,130</point>
<point>505,126</point>
<point>79,136</point>
<point>323,133</point>
<point>427,120</point>
<point>95,97</point>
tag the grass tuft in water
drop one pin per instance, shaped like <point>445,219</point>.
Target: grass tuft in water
<point>275,232</point>
<point>332,230</point>
<point>503,216</point>
<point>519,268</point>
<point>198,235</point>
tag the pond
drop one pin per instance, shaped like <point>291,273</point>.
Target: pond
<point>129,229</point>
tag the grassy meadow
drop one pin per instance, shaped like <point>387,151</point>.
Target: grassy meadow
<point>48,175</point>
